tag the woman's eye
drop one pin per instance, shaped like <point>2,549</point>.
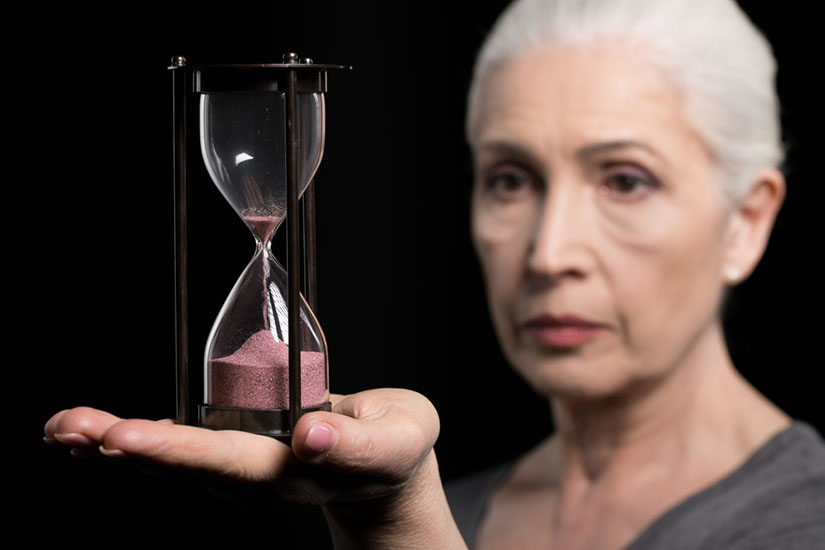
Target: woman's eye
<point>628,183</point>
<point>510,184</point>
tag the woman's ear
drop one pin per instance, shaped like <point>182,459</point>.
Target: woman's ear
<point>750,225</point>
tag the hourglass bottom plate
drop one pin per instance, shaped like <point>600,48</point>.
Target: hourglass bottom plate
<point>270,422</point>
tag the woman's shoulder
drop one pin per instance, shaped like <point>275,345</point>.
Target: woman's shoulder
<point>785,492</point>
<point>468,497</point>
<point>776,499</point>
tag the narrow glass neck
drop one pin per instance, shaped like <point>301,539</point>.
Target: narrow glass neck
<point>263,228</point>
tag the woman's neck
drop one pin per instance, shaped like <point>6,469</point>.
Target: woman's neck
<point>702,419</point>
<point>615,465</point>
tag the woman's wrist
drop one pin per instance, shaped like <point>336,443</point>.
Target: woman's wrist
<point>416,516</point>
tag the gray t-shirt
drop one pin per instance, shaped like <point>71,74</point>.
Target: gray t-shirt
<point>775,500</point>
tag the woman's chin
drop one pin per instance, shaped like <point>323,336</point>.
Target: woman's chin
<point>573,379</point>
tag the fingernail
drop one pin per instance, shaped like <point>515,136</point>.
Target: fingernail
<point>73,439</point>
<point>112,453</point>
<point>320,438</point>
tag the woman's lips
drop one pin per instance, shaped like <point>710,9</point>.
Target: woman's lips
<point>562,332</point>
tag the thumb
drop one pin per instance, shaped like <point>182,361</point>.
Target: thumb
<point>383,434</point>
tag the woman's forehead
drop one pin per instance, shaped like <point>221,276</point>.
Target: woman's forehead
<point>578,95</point>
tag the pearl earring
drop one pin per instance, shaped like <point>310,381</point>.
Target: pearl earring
<point>732,274</point>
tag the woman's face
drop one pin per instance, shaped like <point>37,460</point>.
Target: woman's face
<point>598,219</point>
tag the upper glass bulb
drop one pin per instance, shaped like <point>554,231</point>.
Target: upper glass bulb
<point>244,148</point>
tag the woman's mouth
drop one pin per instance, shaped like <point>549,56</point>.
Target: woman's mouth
<point>562,332</point>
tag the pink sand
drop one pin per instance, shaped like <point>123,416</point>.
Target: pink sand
<point>257,376</point>
<point>264,226</point>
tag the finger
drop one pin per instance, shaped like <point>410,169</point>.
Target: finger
<point>382,433</point>
<point>227,454</point>
<point>78,427</point>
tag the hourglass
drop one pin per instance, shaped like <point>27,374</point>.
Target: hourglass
<point>261,139</point>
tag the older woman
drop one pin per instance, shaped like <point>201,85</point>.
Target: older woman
<point>626,154</point>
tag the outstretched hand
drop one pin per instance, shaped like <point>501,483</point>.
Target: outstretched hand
<point>370,463</point>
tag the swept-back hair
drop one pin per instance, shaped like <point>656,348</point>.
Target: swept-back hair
<point>709,49</point>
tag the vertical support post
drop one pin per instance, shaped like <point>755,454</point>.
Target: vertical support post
<point>310,244</point>
<point>180,92</point>
<point>294,261</point>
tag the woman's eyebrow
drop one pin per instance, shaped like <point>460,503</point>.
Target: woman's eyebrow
<point>519,153</point>
<point>510,149</point>
<point>608,146</point>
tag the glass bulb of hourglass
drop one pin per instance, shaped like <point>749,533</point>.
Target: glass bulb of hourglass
<point>243,141</point>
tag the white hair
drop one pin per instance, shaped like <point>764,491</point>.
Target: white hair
<point>709,49</point>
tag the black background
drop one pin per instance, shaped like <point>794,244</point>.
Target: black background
<point>401,299</point>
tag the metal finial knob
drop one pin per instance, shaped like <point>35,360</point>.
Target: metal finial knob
<point>178,61</point>
<point>307,61</point>
<point>291,57</point>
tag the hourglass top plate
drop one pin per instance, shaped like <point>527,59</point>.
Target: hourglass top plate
<point>311,77</point>
<point>317,66</point>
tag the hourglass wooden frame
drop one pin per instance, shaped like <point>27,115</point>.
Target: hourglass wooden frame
<point>290,78</point>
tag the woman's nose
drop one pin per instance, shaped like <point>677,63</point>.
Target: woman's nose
<point>560,243</point>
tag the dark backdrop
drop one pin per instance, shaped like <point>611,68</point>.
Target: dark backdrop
<point>401,300</point>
